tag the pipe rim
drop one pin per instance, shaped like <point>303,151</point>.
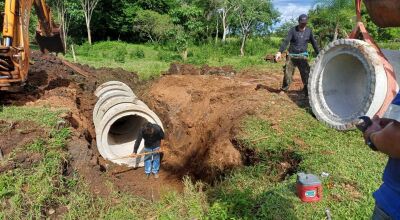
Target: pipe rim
<point>369,58</point>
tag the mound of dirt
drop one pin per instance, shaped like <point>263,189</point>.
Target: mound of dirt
<point>188,69</point>
<point>202,116</point>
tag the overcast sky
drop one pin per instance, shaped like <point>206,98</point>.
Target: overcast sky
<point>292,8</point>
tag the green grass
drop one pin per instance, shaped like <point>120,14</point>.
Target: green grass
<point>150,61</point>
<point>28,192</point>
<point>253,192</point>
<point>41,116</point>
<point>390,45</point>
<point>122,55</point>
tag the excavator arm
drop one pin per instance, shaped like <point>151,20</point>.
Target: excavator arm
<point>14,49</point>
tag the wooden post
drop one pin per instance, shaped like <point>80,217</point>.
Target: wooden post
<point>73,52</point>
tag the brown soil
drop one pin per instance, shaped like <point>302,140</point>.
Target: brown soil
<point>188,69</point>
<point>202,113</point>
<point>14,135</point>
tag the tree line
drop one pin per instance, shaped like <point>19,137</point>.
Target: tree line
<point>181,23</point>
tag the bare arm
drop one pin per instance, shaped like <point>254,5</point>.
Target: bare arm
<point>388,139</point>
<point>385,135</point>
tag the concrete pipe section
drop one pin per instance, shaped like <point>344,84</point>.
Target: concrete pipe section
<point>348,80</point>
<point>118,116</point>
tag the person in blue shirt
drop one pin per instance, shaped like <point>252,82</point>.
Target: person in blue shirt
<point>384,136</point>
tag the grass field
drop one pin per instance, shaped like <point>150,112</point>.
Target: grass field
<point>151,60</point>
<point>252,192</point>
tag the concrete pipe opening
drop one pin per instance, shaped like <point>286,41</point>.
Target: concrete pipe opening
<point>125,130</point>
<point>348,80</point>
<point>345,81</point>
<point>118,117</point>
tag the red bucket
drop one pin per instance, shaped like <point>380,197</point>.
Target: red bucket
<point>309,187</point>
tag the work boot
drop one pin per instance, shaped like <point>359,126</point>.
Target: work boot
<point>156,176</point>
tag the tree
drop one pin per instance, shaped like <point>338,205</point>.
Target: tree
<point>160,6</point>
<point>88,7</point>
<point>226,8</point>
<point>64,18</point>
<point>283,30</point>
<point>190,18</point>
<point>334,17</point>
<point>338,12</point>
<point>153,25</point>
<point>254,16</point>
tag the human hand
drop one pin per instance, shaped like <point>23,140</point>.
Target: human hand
<point>132,155</point>
<point>383,122</point>
<point>278,56</point>
<point>375,127</point>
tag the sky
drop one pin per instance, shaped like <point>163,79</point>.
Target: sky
<point>292,8</point>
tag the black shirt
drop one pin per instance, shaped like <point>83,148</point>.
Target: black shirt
<point>299,41</point>
<point>150,141</point>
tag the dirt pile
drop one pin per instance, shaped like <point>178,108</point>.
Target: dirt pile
<point>188,69</point>
<point>202,115</point>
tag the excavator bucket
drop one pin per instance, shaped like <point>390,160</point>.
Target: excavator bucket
<point>53,44</point>
<point>384,13</point>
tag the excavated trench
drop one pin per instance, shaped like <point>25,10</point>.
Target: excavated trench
<point>201,114</point>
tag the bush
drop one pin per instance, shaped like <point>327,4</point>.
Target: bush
<point>120,54</point>
<point>137,53</point>
<point>168,56</point>
<point>84,50</point>
<point>198,58</point>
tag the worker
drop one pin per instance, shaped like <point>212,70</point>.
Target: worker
<point>298,37</point>
<point>152,135</point>
<point>384,136</point>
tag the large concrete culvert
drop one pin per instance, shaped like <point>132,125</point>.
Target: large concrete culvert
<point>118,116</point>
<point>349,80</point>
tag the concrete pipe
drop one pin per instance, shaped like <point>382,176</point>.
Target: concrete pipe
<point>118,116</point>
<point>348,80</point>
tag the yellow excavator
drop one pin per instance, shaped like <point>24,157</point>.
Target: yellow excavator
<point>15,50</point>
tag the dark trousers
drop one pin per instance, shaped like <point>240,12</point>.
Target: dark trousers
<point>291,64</point>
